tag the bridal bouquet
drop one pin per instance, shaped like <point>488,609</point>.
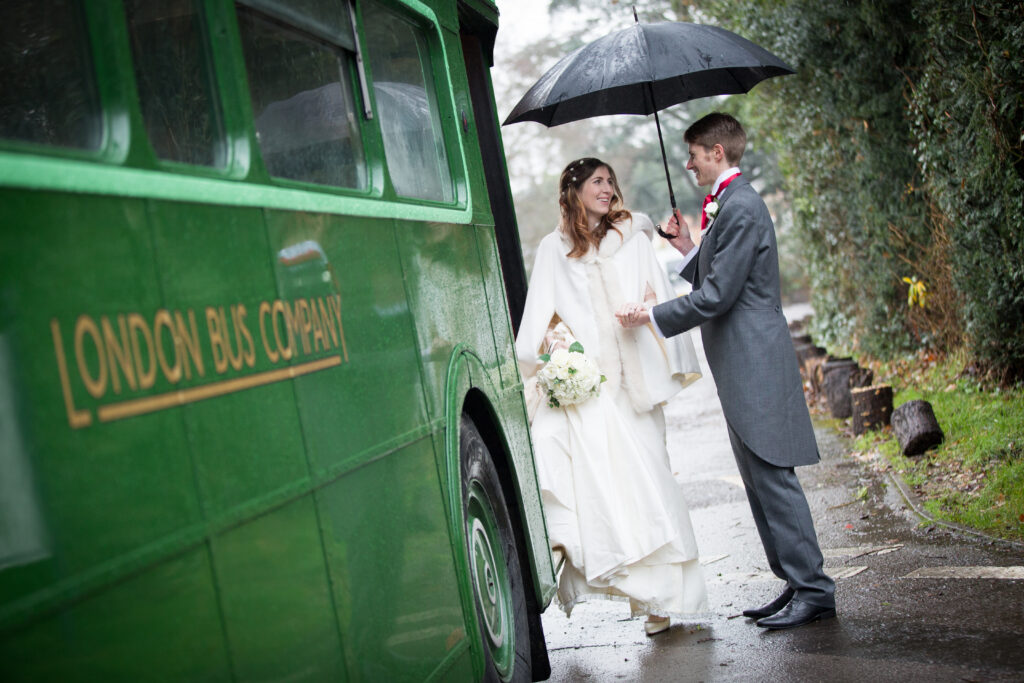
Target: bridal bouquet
<point>569,377</point>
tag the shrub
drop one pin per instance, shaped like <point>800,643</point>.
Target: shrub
<point>968,116</point>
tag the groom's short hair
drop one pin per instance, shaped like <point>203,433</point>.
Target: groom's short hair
<point>719,129</point>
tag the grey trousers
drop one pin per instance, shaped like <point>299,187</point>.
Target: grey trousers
<point>784,523</point>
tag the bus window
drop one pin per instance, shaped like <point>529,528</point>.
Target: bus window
<point>407,105</point>
<point>300,84</point>
<point>49,94</point>
<point>174,77</point>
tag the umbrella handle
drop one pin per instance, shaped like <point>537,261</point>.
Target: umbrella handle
<point>664,159</point>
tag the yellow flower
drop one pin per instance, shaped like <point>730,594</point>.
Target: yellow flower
<point>916,292</point>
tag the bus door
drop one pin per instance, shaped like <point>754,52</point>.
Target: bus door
<point>478,51</point>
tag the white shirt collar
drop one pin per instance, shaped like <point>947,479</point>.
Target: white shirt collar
<point>725,174</point>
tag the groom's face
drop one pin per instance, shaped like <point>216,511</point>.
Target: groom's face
<point>704,162</point>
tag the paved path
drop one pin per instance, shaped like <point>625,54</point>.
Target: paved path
<point>916,603</point>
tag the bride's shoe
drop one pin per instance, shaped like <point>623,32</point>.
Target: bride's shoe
<point>655,624</point>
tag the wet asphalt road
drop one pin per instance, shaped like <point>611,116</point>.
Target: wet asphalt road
<point>890,627</point>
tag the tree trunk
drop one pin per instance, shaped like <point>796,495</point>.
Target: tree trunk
<point>916,428</point>
<point>861,377</point>
<point>804,352</point>
<point>812,373</point>
<point>838,377</point>
<point>871,407</point>
<point>836,384</point>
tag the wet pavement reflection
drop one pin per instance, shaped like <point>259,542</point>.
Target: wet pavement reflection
<point>891,625</point>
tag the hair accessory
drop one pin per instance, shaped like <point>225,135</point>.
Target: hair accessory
<point>574,179</point>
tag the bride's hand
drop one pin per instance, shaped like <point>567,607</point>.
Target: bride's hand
<point>633,315</point>
<point>554,341</point>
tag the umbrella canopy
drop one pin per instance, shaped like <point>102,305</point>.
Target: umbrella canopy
<point>646,68</point>
<point>643,69</point>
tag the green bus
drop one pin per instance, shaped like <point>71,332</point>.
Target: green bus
<point>260,416</point>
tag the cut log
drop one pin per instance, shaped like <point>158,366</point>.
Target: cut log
<point>802,324</point>
<point>836,385</point>
<point>800,338</point>
<point>804,352</point>
<point>861,377</point>
<point>871,407</point>
<point>812,373</point>
<point>916,428</point>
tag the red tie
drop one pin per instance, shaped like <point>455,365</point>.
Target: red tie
<point>711,198</point>
<point>704,216</point>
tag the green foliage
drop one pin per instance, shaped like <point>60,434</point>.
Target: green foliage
<point>968,116</point>
<point>846,150</point>
<point>901,139</point>
<point>976,476</point>
<point>900,142</point>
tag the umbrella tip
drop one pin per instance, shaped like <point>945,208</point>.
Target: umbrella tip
<point>635,17</point>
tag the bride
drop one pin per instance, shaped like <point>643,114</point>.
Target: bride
<point>612,505</point>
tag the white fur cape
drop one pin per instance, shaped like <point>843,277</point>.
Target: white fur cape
<point>584,294</point>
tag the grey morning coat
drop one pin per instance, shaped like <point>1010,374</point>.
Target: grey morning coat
<point>737,304</point>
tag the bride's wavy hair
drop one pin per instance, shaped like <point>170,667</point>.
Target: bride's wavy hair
<point>574,215</point>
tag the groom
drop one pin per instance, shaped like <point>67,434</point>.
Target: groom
<point>736,302</point>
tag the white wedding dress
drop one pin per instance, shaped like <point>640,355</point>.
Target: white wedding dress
<point>611,502</point>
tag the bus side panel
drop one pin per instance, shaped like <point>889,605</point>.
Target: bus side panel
<point>515,423</point>
<point>214,263</point>
<point>162,625</point>
<point>106,488</point>
<point>249,445</point>
<point>386,537</point>
<point>497,302</point>
<point>276,598</point>
<point>442,272</point>
<point>352,411</point>
<point>517,436</point>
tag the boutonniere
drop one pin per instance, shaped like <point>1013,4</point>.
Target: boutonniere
<point>711,210</point>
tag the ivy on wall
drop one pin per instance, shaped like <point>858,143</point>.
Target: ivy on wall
<point>901,140</point>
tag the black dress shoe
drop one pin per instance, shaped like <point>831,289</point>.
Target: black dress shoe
<point>796,613</point>
<point>771,608</point>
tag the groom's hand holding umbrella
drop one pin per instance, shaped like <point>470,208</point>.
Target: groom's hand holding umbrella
<point>679,233</point>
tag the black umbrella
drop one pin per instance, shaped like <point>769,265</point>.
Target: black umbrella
<point>643,69</point>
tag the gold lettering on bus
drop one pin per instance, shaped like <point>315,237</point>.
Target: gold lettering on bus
<point>281,312</point>
<point>335,303</point>
<point>188,339</point>
<point>246,344</point>
<point>129,353</point>
<point>147,371</point>
<point>76,418</point>
<point>264,311</point>
<point>119,353</point>
<point>96,386</point>
<point>328,322</point>
<point>319,340</point>
<point>213,328</point>
<point>164,321</point>
<point>234,340</point>
<point>302,323</point>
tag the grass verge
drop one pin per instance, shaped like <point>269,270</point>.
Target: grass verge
<point>976,476</point>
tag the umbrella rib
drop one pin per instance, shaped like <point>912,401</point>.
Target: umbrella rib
<point>647,60</point>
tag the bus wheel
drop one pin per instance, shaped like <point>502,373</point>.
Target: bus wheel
<point>493,563</point>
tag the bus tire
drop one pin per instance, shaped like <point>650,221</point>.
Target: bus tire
<point>498,589</point>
